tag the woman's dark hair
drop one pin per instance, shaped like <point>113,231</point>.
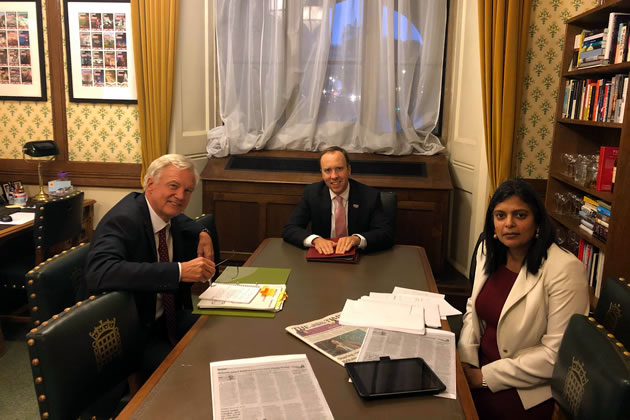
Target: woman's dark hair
<point>496,252</point>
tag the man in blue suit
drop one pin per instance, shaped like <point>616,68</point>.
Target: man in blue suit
<point>145,245</point>
<point>339,208</point>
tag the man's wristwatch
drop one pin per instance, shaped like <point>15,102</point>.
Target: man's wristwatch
<point>207,231</point>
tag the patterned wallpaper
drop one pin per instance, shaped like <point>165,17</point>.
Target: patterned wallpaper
<point>542,72</point>
<point>96,132</point>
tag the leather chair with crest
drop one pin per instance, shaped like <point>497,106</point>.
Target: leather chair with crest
<point>57,224</point>
<point>591,377</point>
<point>81,358</point>
<point>613,308</point>
<point>57,283</point>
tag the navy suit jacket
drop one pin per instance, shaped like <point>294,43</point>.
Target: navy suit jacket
<point>365,216</point>
<point>123,256</point>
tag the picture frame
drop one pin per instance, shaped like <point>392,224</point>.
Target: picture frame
<point>22,62</point>
<point>99,49</point>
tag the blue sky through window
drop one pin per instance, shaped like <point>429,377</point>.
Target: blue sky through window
<point>350,12</point>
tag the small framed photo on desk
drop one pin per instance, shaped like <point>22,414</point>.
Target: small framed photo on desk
<point>7,193</point>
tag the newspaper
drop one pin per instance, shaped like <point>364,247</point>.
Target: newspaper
<point>436,347</point>
<point>282,387</point>
<point>341,343</point>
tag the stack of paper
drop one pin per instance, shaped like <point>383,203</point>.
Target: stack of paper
<point>264,297</point>
<point>404,310</point>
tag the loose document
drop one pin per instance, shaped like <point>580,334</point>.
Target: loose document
<point>271,387</point>
<point>436,347</point>
<point>338,342</point>
<point>404,310</point>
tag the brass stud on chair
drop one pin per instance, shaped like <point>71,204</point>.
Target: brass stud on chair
<point>79,303</point>
<point>39,380</point>
<point>33,295</point>
<point>55,316</point>
<point>42,398</point>
<point>36,323</point>
<point>600,326</point>
<point>41,217</point>
<point>30,282</point>
<point>33,330</point>
<point>611,336</point>
<point>41,208</point>
<point>44,323</point>
<point>30,342</point>
<point>34,309</point>
<point>626,353</point>
<point>619,344</point>
<point>67,310</point>
<point>35,362</point>
<point>45,415</point>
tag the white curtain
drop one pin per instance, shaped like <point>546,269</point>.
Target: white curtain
<point>308,74</point>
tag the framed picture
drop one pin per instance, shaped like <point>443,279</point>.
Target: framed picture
<point>99,48</point>
<point>22,64</point>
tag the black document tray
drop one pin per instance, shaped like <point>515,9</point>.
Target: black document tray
<point>398,377</point>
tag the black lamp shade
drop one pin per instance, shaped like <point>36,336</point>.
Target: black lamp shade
<point>40,148</point>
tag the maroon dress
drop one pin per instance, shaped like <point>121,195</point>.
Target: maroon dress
<point>504,404</point>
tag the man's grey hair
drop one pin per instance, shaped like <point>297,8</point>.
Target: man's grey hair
<point>157,166</point>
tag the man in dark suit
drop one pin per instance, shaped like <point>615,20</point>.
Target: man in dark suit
<point>341,208</point>
<point>145,245</point>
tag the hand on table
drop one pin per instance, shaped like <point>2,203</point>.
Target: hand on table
<point>346,243</point>
<point>324,246</point>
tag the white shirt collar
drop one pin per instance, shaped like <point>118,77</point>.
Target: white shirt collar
<point>156,221</point>
<point>343,195</point>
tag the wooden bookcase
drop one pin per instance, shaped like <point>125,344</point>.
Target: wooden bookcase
<point>586,137</point>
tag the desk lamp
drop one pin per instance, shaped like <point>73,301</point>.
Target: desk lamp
<point>37,149</point>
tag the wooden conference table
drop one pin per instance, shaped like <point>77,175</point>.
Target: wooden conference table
<point>180,387</point>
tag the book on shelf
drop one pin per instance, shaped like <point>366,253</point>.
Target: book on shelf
<point>599,273</point>
<point>586,230</point>
<point>614,21</point>
<point>607,157</point>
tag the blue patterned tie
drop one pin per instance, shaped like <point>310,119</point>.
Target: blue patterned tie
<point>168,299</point>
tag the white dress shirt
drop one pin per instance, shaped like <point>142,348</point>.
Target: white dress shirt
<point>308,242</point>
<point>158,224</point>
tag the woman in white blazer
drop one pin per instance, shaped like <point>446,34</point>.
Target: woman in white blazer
<point>526,288</point>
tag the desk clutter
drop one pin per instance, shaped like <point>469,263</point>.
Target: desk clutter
<point>387,325</point>
<point>245,291</point>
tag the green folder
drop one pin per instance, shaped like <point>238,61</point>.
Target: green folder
<point>246,275</point>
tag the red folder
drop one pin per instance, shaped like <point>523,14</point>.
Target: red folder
<point>350,257</point>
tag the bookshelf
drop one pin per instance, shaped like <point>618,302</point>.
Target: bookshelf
<point>575,136</point>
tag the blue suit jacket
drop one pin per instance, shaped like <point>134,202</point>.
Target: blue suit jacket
<point>123,256</point>
<point>365,216</point>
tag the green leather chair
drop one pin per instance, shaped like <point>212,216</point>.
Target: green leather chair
<point>591,377</point>
<point>57,222</point>
<point>81,358</point>
<point>613,308</point>
<point>389,200</point>
<point>57,283</point>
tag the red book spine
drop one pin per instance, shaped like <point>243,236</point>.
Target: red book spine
<point>607,156</point>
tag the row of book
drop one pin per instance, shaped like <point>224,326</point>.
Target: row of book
<point>595,217</point>
<point>599,47</point>
<point>593,260</point>
<point>600,100</point>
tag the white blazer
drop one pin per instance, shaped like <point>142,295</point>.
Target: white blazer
<point>531,324</point>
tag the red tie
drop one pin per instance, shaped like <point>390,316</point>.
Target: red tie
<point>340,218</point>
<point>168,299</point>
